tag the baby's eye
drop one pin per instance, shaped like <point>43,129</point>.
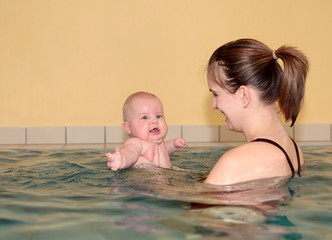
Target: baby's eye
<point>144,117</point>
<point>159,116</point>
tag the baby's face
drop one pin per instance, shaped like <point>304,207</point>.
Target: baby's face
<point>146,120</point>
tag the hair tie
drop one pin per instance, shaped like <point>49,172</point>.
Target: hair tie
<point>274,55</point>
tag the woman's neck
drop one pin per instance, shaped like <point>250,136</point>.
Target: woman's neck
<point>264,124</point>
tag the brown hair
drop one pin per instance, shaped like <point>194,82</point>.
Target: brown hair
<point>250,62</point>
<point>131,98</point>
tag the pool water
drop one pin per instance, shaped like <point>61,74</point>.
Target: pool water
<point>71,194</point>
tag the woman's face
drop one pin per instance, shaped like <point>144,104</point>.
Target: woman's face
<point>227,103</point>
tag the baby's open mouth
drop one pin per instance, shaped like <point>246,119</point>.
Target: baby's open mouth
<point>154,130</point>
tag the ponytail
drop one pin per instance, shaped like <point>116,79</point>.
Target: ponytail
<point>292,87</point>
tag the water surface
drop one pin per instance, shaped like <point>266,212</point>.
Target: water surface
<point>71,194</point>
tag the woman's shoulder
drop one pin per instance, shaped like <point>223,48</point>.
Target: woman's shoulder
<point>244,154</point>
<point>244,163</point>
<point>253,153</point>
<point>242,150</point>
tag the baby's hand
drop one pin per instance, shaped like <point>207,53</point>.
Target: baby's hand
<point>180,143</point>
<point>161,156</point>
<point>114,159</point>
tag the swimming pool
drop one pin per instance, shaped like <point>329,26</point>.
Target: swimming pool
<point>71,194</point>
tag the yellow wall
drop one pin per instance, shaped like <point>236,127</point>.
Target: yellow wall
<point>73,62</point>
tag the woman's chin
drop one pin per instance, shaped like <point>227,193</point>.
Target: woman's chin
<point>229,126</point>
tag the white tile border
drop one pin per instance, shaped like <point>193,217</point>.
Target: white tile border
<point>174,131</point>
<point>46,135</point>
<point>115,134</point>
<point>201,133</point>
<point>85,134</point>
<point>312,132</point>
<point>12,135</point>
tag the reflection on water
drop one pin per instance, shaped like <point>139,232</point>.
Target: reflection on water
<point>236,211</point>
<point>71,194</point>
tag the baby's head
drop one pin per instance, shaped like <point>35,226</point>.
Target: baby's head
<point>143,117</point>
<point>130,104</point>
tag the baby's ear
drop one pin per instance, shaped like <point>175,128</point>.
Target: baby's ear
<point>126,127</point>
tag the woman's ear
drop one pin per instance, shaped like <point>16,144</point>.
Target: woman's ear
<point>245,95</point>
<point>126,127</point>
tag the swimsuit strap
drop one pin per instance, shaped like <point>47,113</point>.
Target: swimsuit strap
<point>298,156</point>
<point>278,146</point>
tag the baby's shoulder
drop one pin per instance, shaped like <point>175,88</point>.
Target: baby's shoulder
<point>133,141</point>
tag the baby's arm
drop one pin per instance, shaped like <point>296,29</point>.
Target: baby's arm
<point>175,144</point>
<point>125,157</point>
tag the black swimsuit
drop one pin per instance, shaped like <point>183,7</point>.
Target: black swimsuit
<point>287,157</point>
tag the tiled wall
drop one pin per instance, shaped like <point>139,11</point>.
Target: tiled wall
<point>115,134</point>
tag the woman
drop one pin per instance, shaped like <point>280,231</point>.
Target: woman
<point>247,81</point>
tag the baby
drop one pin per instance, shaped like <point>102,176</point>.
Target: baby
<point>146,126</point>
